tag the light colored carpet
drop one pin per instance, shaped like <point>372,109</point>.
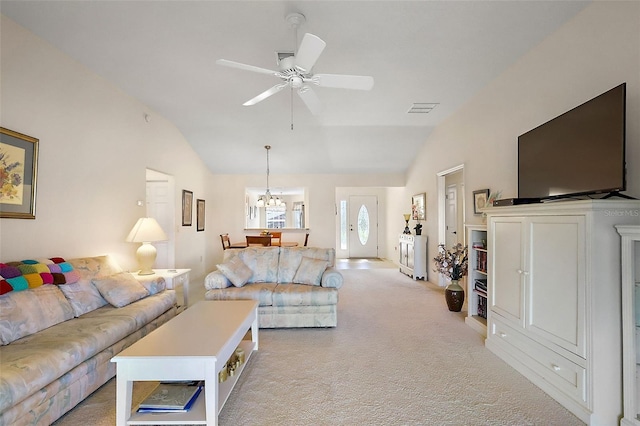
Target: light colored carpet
<point>397,357</point>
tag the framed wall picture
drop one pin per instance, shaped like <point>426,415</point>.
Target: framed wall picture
<point>18,174</point>
<point>187,207</point>
<point>418,209</point>
<point>199,215</point>
<point>480,200</point>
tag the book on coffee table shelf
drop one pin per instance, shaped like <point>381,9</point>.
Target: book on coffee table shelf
<point>171,397</point>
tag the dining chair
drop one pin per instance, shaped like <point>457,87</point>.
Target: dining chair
<point>259,240</point>
<point>276,238</point>
<point>226,243</point>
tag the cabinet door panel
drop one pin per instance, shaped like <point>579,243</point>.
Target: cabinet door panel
<point>410,256</point>
<point>555,282</point>
<point>506,278</point>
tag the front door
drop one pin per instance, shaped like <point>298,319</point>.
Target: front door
<point>363,226</point>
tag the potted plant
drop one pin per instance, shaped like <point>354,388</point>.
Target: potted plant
<point>453,264</point>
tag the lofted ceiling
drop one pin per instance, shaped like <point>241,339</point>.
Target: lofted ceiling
<point>164,52</point>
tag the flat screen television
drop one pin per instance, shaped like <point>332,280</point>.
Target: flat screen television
<point>580,152</point>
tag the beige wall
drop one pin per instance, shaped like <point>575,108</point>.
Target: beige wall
<point>95,147</point>
<point>592,53</point>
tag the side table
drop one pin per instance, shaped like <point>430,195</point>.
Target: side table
<point>176,278</point>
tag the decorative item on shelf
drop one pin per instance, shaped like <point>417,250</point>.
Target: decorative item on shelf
<point>480,200</point>
<point>453,265</point>
<point>407,230</point>
<point>146,231</point>
<point>493,196</point>
<point>418,228</point>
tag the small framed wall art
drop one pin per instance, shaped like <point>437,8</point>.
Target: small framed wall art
<point>187,207</point>
<point>18,174</point>
<point>199,215</point>
<point>480,200</point>
<point>418,209</point>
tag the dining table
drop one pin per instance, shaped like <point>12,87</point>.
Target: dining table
<point>282,243</point>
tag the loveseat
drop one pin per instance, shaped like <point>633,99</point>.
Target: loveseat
<point>61,322</point>
<point>295,286</point>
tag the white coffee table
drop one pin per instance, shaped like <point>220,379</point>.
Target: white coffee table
<point>195,345</point>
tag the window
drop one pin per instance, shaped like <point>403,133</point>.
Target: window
<point>343,225</point>
<point>276,217</point>
<point>363,225</point>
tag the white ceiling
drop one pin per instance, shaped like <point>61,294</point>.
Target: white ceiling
<point>164,53</point>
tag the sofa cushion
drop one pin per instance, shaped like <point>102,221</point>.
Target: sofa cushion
<point>304,295</point>
<point>263,262</point>
<point>236,271</point>
<point>27,312</point>
<point>262,292</point>
<point>83,295</point>
<point>291,257</point>
<point>120,289</point>
<point>310,271</point>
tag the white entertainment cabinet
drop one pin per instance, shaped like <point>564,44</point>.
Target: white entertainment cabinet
<point>554,299</point>
<point>413,256</point>
<point>630,248</point>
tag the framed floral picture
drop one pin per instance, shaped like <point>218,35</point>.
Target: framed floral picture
<point>418,207</point>
<point>18,174</point>
<point>199,215</point>
<point>480,200</point>
<point>187,207</point>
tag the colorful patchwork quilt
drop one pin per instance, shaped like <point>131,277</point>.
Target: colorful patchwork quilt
<point>32,273</point>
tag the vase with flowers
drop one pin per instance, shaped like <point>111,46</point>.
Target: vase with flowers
<point>453,264</point>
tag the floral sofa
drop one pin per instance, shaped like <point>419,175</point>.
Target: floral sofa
<point>61,322</point>
<point>295,286</point>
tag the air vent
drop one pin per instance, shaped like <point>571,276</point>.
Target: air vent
<point>422,107</point>
<point>282,55</point>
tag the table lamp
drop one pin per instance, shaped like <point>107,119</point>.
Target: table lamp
<point>406,226</point>
<point>145,231</point>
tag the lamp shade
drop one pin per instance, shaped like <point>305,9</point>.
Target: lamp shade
<point>146,230</point>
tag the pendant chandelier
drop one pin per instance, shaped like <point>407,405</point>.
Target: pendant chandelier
<point>267,199</point>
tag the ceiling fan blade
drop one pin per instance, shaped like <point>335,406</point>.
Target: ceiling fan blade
<point>310,99</point>
<point>245,67</point>
<point>309,51</point>
<point>264,95</point>
<point>341,81</point>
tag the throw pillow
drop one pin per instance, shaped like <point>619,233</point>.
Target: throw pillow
<point>26,312</point>
<point>310,271</point>
<point>236,271</point>
<point>83,296</point>
<point>120,289</point>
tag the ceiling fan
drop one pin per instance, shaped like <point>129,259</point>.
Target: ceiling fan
<point>295,71</point>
